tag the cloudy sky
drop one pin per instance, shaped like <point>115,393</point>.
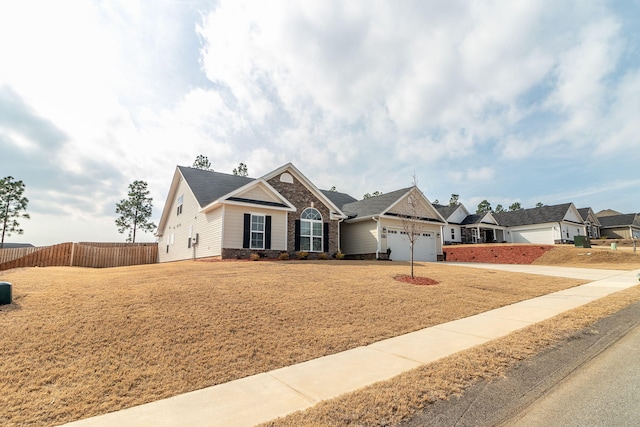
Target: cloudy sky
<point>527,101</point>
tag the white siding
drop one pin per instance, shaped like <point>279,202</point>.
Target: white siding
<point>359,237</point>
<point>234,226</point>
<point>456,237</point>
<point>573,215</point>
<point>458,215</point>
<point>209,229</point>
<point>178,226</point>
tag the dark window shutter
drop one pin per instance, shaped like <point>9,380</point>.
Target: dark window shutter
<point>246,238</point>
<point>297,235</point>
<point>326,236</point>
<point>267,232</point>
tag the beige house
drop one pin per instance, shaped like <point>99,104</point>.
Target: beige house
<point>376,227</point>
<point>621,226</point>
<point>212,214</point>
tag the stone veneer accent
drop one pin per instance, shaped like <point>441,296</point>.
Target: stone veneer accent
<point>230,253</point>
<point>302,198</point>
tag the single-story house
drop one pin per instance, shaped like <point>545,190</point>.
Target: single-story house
<point>212,214</point>
<point>454,215</point>
<point>482,228</point>
<point>591,222</point>
<point>7,245</point>
<point>622,226</point>
<point>378,227</point>
<point>542,225</point>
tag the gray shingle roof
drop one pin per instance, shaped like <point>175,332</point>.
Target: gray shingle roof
<point>208,186</point>
<point>584,213</point>
<point>373,205</point>
<point>619,220</point>
<point>8,245</point>
<point>446,210</point>
<point>338,199</point>
<point>473,219</point>
<point>542,215</point>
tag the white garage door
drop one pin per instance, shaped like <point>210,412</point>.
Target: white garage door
<point>425,246</point>
<point>538,236</point>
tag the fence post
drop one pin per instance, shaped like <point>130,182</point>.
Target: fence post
<point>73,249</point>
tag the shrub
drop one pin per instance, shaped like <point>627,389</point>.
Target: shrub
<point>323,256</point>
<point>254,257</point>
<point>339,255</point>
<point>283,256</point>
<point>302,255</point>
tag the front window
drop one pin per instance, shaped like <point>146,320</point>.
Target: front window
<point>311,230</point>
<point>257,231</point>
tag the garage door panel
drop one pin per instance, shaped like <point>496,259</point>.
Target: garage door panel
<point>536,236</point>
<point>425,246</point>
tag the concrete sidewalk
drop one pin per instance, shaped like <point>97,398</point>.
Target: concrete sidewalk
<point>263,397</point>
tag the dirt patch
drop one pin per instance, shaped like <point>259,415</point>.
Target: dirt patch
<point>496,254</point>
<point>80,342</point>
<point>415,280</point>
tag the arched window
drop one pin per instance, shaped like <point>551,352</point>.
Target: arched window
<point>311,230</point>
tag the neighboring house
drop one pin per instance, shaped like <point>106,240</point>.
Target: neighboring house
<point>7,245</point>
<point>622,226</point>
<point>542,225</point>
<point>591,222</point>
<point>374,227</point>
<point>212,214</point>
<point>608,212</point>
<point>454,216</point>
<point>482,228</point>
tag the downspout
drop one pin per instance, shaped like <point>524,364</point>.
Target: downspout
<point>378,247</point>
<point>561,236</point>
<point>339,238</point>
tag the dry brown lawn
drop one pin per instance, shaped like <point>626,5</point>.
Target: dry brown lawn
<point>389,402</point>
<point>81,342</point>
<point>596,257</point>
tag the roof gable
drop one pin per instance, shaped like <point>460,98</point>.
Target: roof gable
<point>256,192</point>
<point>391,204</point>
<point>208,186</point>
<point>453,213</point>
<point>292,170</point>
<point>588,215</point>
<point>480,218</point>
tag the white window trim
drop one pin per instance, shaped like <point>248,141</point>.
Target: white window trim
<point>252,231</point>
<point>311,236</point>
<point>180,203</point>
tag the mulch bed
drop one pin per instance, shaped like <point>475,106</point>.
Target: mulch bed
<point>415,280</point>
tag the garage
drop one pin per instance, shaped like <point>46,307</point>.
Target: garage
<point>538,236</point>
<point>425,246</point>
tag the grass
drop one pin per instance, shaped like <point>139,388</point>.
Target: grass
<point>596,257</point>
<point>82,342</point>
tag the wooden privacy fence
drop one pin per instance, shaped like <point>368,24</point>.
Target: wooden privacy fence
<point>96,255</point>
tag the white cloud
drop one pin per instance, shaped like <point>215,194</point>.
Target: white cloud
<point>357,94</point>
